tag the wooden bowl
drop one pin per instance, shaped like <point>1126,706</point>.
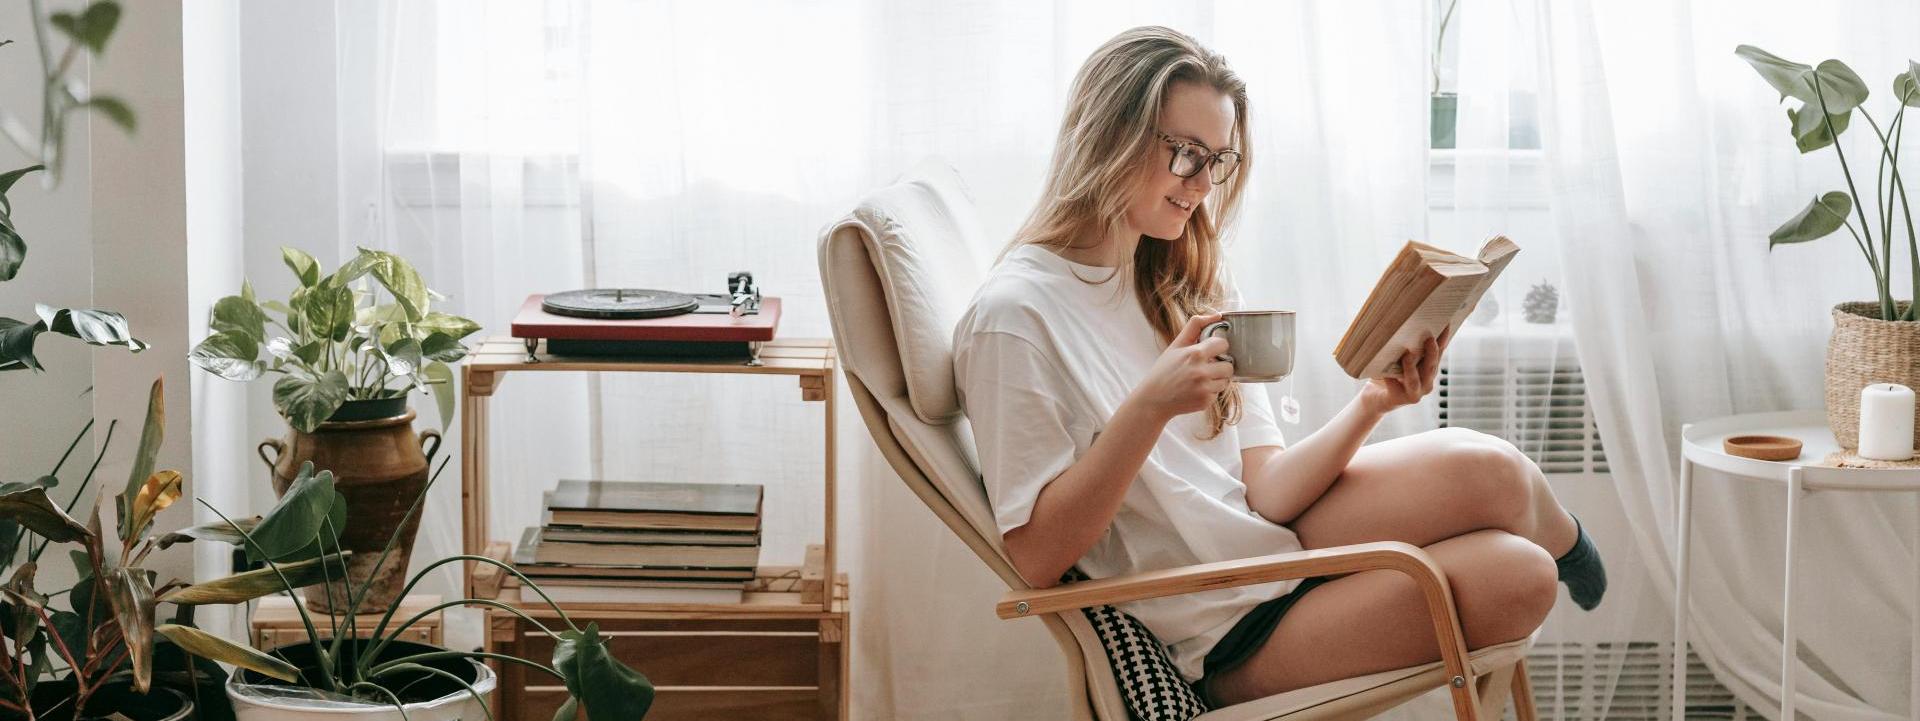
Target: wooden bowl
<point>1765,448</point>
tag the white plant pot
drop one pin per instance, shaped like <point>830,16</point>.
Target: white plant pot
<point>250,705</point>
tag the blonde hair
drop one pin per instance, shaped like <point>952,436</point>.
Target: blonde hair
<point>1106,141</point>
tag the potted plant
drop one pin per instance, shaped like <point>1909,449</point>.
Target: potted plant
<point>1876,341</point>
<point>108,654</point>
<point>1444,108</point>
<point>346,359</point>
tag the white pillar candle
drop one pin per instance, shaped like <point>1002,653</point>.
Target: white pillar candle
<point>1886,422</point>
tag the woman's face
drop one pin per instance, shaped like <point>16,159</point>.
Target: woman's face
<point>1162,202</point>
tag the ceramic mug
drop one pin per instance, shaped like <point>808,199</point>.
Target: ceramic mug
<point>1259,343</point>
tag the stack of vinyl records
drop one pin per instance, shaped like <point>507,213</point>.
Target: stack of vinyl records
<point>642,542</point>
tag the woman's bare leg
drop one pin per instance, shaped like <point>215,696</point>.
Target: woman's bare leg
<point>1376,621</point>
<point>1432,486</point>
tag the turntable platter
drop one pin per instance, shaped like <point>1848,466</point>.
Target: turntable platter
<point>619,303</point>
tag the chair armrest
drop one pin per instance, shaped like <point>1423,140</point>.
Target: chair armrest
<point>1386,555</point>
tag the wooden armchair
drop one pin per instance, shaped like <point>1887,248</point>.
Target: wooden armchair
<point>897,272</point>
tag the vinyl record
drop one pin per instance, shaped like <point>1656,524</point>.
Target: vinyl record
<point>619,303</point>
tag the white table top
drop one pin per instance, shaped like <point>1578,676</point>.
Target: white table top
<point>1701,443</point>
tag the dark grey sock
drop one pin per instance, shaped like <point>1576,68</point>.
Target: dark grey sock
<point>1582,571</point>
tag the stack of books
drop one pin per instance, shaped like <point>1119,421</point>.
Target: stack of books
<point>638,542</point>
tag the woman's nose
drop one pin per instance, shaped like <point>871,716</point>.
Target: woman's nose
<point>1199,182</point>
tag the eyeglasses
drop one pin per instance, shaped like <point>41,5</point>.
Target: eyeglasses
<point>1190,157</point>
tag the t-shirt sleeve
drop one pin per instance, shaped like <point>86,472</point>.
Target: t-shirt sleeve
<point>1256,426</point>
<point>1024,425</point>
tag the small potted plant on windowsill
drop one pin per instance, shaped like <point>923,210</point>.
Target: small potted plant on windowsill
<point>1874,341</point>
<point>346,360</point>
<point>1443,107</point>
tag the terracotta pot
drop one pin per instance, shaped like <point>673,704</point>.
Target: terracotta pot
<point>1864,350</point>
<point>380,466</point>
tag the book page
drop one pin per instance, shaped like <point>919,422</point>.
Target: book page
<point>1430,320</point>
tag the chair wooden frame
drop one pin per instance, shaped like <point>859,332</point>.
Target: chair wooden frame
<point>1474,699</point>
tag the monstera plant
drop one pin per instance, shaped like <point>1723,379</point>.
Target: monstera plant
<point>334,340</point>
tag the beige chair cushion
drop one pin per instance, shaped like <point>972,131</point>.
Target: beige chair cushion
<point>920,235</point>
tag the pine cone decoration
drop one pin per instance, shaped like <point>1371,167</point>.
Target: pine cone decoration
<point>1541,303</point>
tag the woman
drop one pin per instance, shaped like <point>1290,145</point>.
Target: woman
<point>1111,437</point>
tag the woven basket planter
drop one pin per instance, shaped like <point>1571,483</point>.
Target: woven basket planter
<point>1862,351</point>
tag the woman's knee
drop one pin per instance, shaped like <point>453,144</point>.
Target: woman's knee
<point>1492,476</point>
<point>1503,584</point>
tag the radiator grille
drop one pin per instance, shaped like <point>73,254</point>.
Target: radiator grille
<point>1626,681</point>
<point>1541,407</point>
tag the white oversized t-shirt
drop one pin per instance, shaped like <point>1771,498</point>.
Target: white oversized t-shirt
<point>1043,360</point>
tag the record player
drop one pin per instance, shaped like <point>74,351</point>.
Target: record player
<point>646,323</point>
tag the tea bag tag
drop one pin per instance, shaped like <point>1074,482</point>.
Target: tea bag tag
<point>1289,408</point>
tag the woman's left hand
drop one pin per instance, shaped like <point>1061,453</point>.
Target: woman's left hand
<point>1419,369</point>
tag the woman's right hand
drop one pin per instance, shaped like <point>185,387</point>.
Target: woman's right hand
<point>1188,375</point>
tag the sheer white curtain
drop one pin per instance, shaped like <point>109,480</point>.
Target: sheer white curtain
<point>1669,164</point>
<point>514,148</point>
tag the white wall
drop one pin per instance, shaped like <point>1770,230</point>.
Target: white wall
<point>140,249</point>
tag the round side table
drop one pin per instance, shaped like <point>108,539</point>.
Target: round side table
<point>1701,445</point>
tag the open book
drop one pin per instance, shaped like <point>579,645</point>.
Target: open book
<point>1424,292</point>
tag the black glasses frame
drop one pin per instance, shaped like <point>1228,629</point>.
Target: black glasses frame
<point>1211,160</point>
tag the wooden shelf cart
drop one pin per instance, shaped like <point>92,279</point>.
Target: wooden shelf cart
<point>779,654</point>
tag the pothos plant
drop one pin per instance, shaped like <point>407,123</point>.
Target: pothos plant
<point>335,340</point>
<point>1829,94</point>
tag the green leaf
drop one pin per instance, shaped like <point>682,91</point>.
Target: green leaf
<point>278,307</point>
<point>7,179</point>
<point>131,593</point>
<point>453,326</point>
<point>92,26</point>
<point>114,108</point>
<point>72,630</point>
<point>303,266</point>
<point>13,252</point>
<point>96,327</point>
<point>306,402</point>
<point>1840,88</point>
<point>215,531</point>
<point>290,530</point>
<point>400,279</point>
<point>230,356</point>
<point>30,507</point>
<point>235,314</point>
<point>16,344</point>
<point>1820,218</point>
<point>442,347</point>
<point>206,645</point>
<point>143,457</point>
<point>259,583</point>
<point>606,687</point>
<point>569,710</point>
<point>1786,76</point>
<point>1905,89</point>
<point>1809,133</point>
<point>403,357</point>
<point>328,312</point>
<point>440,383</point>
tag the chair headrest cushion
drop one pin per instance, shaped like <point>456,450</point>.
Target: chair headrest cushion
<point>921,235</point>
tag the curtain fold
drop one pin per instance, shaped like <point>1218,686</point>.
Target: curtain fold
<point>1669,163</point>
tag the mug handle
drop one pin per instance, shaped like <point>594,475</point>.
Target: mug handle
<point>1214,327</point>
